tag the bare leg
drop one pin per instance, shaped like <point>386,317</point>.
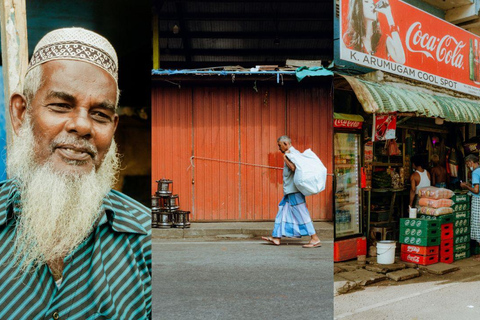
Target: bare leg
<point>314,242</point>
<point>272,240</point>
<point>477,256</point>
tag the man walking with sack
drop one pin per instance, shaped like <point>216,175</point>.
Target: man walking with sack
<point>293,218</point>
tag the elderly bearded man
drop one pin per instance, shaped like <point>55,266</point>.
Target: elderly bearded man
<point>70,247</point>
<point>293,218</point>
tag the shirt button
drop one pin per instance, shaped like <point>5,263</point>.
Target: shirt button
<point>55,315</point>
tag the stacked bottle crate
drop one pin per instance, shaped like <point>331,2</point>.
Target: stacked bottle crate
<point>461,226</point>
<point>446,243</point>
<point>420,239</point>
<point>446,249</point>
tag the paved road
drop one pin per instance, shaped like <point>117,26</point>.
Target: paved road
<point>241,280</point>
<point>454,296</point>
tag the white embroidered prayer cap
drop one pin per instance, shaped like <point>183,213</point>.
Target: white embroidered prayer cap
<point>76,44</point>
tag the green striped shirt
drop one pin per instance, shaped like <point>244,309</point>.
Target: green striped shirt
<point>107,277</point>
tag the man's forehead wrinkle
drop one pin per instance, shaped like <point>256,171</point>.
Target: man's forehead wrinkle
<point>61,94</point>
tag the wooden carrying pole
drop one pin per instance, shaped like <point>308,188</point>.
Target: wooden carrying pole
<point>14,51</point>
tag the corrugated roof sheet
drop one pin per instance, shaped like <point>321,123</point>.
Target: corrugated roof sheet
<point>385,98</point>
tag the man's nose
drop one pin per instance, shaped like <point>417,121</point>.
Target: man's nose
<point>80,124</point>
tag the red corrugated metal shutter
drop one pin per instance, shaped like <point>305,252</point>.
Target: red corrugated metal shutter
<point>216,189</point>
<point>172,141</point>
<point>232,132</point>
<point>310,125</point>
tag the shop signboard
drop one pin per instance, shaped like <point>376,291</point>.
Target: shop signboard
<point>393,36</point>
<point>385,126</point>
<point>347,124</point>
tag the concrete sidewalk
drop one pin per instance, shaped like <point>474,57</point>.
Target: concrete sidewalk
<point>429,295</point>
<point>232,230</point>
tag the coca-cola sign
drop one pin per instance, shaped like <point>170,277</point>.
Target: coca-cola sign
<point>347,124</point>
<point>409,42</point>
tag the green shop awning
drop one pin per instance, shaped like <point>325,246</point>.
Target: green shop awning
<point>350,117</point>
<point>385,98</point>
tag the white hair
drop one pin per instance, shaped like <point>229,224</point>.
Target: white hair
<point>285,138</point>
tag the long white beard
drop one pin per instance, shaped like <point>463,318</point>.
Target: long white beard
<point>58,210</point>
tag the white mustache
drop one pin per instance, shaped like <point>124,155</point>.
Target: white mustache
<point>76,142</point>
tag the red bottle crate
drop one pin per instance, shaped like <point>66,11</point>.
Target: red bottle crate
<point>448,243</point>
<point>447,251</point>
<point>349,249</point>
<point>447,231</point>
<point>419,259</point>
<point>424,251</point>
<point>447,258</point>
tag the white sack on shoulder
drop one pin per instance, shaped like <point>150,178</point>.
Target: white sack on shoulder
<point>310,173</point>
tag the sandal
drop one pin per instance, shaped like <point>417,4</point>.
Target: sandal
<point>270,240</point>
<point>313,245</point>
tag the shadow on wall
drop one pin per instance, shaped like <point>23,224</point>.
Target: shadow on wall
<point>133,137</point>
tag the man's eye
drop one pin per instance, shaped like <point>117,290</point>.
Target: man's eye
<point>101,117</point>
<point>59,106</point>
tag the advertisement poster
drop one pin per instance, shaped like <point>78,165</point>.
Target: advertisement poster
<point>385,127</point>
<point>395,37</point>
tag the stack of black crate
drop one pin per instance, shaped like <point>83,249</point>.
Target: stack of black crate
<point>166,211</point>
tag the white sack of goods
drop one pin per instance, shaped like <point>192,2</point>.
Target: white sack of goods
<point>310,173</point>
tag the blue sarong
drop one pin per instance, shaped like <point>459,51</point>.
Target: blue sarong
<point>293,218</point>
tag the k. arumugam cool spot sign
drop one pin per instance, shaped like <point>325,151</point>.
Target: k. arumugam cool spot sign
<point>395,37</point>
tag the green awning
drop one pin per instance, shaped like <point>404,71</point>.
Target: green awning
<point>350,117</point>
<point>385,98</point>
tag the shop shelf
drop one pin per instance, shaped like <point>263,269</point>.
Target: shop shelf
<point>387,190</point>
<point>387,164</point>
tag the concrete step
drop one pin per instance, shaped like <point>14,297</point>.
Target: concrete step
<point>232,230</point>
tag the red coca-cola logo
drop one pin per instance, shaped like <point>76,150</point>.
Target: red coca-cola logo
<point>412,258</point>
<point>348,124</point>
<point>446,49</point>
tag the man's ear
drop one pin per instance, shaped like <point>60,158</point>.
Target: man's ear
<point>115,121</point>
<point>18,109</point>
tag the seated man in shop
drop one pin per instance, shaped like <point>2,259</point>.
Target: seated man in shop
<point>472,163</point>
<point>420,178</point>
<point>438,173</point>
<point>70,247</point>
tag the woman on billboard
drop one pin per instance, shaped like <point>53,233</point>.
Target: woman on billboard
<point>366,33</point>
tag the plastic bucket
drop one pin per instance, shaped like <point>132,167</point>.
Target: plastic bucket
<point>386,252</point>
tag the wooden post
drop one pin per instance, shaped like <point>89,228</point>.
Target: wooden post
<point>155,42</point>
<point>13,20</point>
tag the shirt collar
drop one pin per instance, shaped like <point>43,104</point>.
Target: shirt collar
<point>113,208</point>
<point>8,195</point>
<point>119,218</point>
